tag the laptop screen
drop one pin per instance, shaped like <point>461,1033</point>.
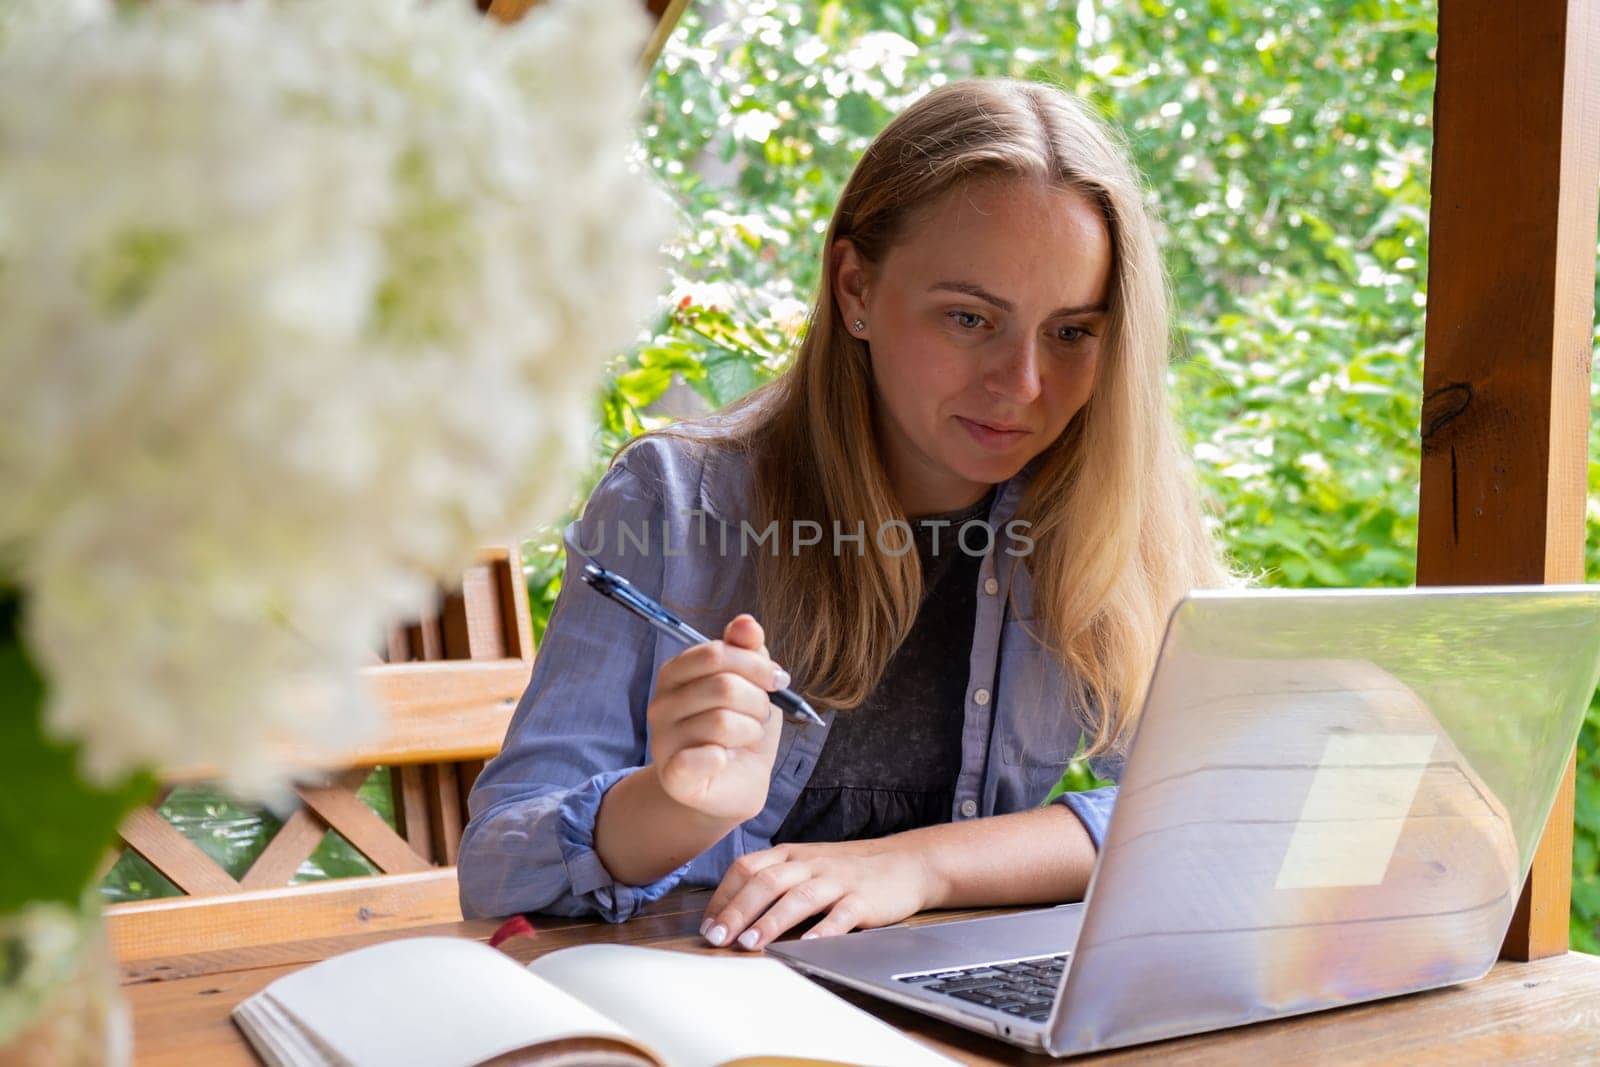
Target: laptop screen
<point>1330,797</point>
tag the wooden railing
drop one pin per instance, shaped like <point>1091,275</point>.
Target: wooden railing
<point>449,683</point>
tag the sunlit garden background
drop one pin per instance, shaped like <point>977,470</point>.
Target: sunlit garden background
<point>1286,151</point>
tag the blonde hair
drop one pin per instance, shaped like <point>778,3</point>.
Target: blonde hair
<point>1118,536</point>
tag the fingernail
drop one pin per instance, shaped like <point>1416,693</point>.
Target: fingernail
<point>718,935</point>
<point>706,926</point>
<point>750,937</point>
<point>780,678</point>
<point>808,936</point>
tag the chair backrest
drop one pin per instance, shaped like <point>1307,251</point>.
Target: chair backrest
<point>449,682</point>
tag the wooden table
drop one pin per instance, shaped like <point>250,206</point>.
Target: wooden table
<point>1545,1012</point>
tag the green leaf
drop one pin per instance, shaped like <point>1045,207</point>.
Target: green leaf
<point>54,829</point>
<point>1586,897</point>
<point>644,387</point>
<point>1326,573</point>
<point>730,378</point>
<point>1583,937</point>
<point>1077,778</point>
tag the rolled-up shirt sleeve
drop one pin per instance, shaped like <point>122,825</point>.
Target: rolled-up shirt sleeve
<point>1093,809</point>
<point>578,730</point>
<point>1093,806</point>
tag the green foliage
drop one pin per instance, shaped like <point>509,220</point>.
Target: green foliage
<point>1586,832</point>
<point>54,827</point>
<point>1585,852</point>
<point>1285,148</point>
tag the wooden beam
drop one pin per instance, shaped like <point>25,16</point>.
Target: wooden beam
<point>147,928</point>
<point>1505,413</point>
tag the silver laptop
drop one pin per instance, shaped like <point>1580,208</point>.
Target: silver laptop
<point>1331,796</point>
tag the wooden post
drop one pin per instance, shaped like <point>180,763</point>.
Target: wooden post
<point>1505,413</point>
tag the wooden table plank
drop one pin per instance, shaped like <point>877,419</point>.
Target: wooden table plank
<point>1542,1012</point>
<point>1546,1012</point>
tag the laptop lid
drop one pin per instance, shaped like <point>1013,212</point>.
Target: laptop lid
<point>1331,796</point>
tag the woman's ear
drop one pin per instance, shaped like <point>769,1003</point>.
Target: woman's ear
<point>850,282</point>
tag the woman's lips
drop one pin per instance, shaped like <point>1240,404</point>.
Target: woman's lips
<point>987,435</point>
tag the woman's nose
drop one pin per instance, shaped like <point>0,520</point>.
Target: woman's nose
<point>1014,374</point>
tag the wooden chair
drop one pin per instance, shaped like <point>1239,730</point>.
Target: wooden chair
<point>449,683</point>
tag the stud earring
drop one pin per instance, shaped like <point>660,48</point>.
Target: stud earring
<point>858,326</point>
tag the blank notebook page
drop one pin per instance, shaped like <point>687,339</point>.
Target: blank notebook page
<point>697,1010</point>
<point>435,1000</point>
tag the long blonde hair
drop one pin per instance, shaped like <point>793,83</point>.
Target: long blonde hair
<point>1117,531</point>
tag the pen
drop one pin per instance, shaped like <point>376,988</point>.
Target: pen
<point>616,588</point>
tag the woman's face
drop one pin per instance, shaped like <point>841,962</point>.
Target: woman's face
<point>984,321</point>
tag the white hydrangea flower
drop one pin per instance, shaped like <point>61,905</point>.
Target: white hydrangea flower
<point>300,303</point>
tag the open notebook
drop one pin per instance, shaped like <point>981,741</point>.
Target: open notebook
<point>451,1002</point>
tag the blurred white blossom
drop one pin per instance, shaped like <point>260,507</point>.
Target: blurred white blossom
<point>755,126</point>
<point>300,303</point>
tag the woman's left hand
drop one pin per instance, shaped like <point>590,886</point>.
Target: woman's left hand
<point>857,884</point>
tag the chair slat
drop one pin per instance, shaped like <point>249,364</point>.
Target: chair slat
<point>469,771</point>
<point>444,810</point>
<point>397,645</point>
<point>291,846</point>
<point>426,643</point>
<point>476,627</point>
<point>344,812</point>
<point>112,856</point>
<point>174,855</point>
<point>410,793</point>
<point>516,618</point>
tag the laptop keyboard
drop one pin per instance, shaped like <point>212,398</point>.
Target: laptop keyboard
<point>1024,988</point>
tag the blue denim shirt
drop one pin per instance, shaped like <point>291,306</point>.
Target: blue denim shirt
<point>669,516</point>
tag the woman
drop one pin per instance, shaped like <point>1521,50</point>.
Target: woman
<point>985,371</point>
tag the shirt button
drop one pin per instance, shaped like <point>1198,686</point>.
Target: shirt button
<point>981,698</point>
<point>991,586</point>
<point>969,808</point>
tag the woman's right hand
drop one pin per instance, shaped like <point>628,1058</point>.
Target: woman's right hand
<point>713,731</point>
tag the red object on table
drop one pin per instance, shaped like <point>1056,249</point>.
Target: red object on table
<point>516,926</point>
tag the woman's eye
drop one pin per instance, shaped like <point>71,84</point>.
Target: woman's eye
<point>967,320</point>
<point>1071,334</point>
